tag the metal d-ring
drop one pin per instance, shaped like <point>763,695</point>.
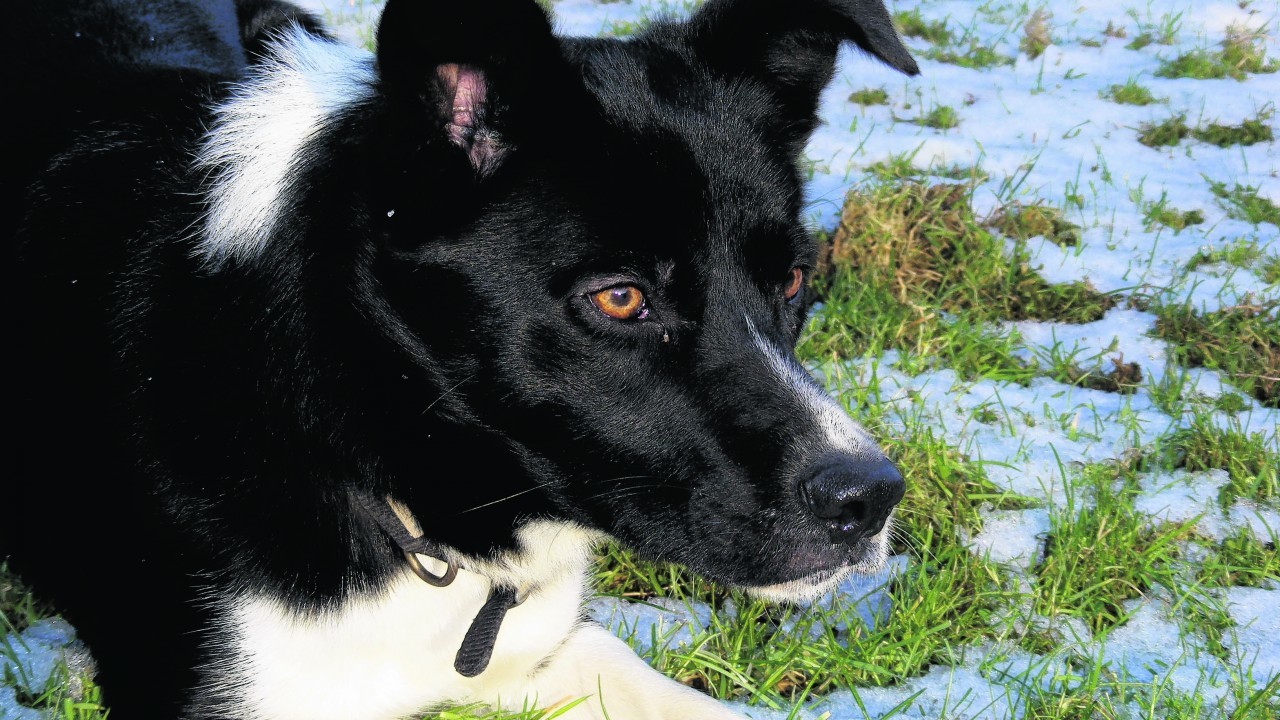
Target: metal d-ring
<point>444,580</point>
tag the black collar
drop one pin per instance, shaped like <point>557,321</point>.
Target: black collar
<point>477,645</point>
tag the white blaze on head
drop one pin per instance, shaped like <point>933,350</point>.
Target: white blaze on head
<point>841,432</point>
<point>251,153</point>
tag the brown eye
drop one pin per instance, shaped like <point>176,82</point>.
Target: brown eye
<point>794,284</point>
<point>624,302</point>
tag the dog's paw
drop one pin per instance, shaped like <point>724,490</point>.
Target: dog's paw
<point>607,681</point>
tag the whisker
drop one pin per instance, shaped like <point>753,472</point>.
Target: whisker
<point>447,392</point>
<point>624,491</point>
<point>539,486</point>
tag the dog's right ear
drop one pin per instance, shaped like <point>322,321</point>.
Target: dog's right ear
<point>791,47</point>
<point>468,75</point>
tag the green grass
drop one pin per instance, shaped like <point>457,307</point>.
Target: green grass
<point>767,652</point>
<point>1101,552</point>
<point>1242,342</point>
<point>1242,202</point>
<point>910,268</point>
<point>648,14</point>
<point>1140,41</point>
<point>1160,213</point>
<point>940,117</point>
<point>1024,222</point>
<point>63,699</point>
<point>1240,253</point>
<point>1241,559</point>
<point>1131,93</point>
<point>911,24</point>
<point>1036,34</point>
<point>870,96</point>
<point>945,494</point>
<point>1175,129</point>
<point>1162,30</point>
<point>902,167</point>
<point>972,55</point>
<point>1164,134</point>
<point>1269,269</point>
<point>1251,461</point>
<point>965,50</point>
<point>18,607</point>
<point>1108,375</point>
<point>1240,55</point>
<point>1249,132</point>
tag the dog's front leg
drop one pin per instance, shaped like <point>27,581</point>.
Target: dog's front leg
<point>617,685</point>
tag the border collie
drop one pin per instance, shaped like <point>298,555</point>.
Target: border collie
<point>334,367</point>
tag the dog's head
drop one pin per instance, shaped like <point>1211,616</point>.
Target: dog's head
<point>591,253</point>
<point>620,222</point>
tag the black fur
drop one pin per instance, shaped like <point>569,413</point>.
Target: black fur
<point>421,325</point>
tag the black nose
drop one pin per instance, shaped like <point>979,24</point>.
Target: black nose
<point>853,496</point>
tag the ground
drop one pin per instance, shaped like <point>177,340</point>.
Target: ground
<point>1052,287</point>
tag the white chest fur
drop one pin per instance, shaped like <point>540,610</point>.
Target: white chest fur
<point>391,655</point>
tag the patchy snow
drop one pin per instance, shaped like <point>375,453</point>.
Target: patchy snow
<point>37,659</point>
<point>1181,496</point>
<point>1254,611</point>
<point>1041,130</point>
<point>1013,537</point>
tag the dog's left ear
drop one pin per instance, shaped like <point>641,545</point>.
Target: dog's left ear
<point>792,46</point>
<point>470,75</point>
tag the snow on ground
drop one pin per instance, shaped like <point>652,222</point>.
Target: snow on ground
<point>1041,130</point>
<point>1044,125</point>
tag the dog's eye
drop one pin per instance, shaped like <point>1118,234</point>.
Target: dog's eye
<point>794,284</point>
<point>624,302</point>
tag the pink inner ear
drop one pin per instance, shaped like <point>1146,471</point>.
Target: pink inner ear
<point>467,87</point>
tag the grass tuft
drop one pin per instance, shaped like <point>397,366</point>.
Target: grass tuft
<point>1269,269</point>
<point>1161,213</point>
<point>1250,461</point>
<point>1241,559</point>
<point>1130,93</point>
<point>941,117</point>
<point>1175,129</point>
<point>974,56</point>
<point>909,267</point>
<point>912,24</point>
<point>870,96</point>
<point>1119,377</point>
<point>1036,34</point>
<point>1170,132</point>
<point>18,608</point>
<point>1023,222</point>
<point>1100,555</point>
<point>1242,53</point>
<point>1240,253</point>
<point>1242,202</point>
<point>1250,132</point>
<point>1242,342</point>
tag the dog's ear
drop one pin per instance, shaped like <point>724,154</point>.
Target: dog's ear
<point>792,46</point>
<point>467,73</point>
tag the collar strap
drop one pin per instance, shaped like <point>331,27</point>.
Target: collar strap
<point>477,645</point>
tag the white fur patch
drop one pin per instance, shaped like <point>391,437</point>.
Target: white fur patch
<point>391,656</point>
<point>842,433</point>
<point>251,152</point>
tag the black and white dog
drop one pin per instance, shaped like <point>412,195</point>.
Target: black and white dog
<point>334,368</point>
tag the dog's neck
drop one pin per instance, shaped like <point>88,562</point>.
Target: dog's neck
<point>507,589</point>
